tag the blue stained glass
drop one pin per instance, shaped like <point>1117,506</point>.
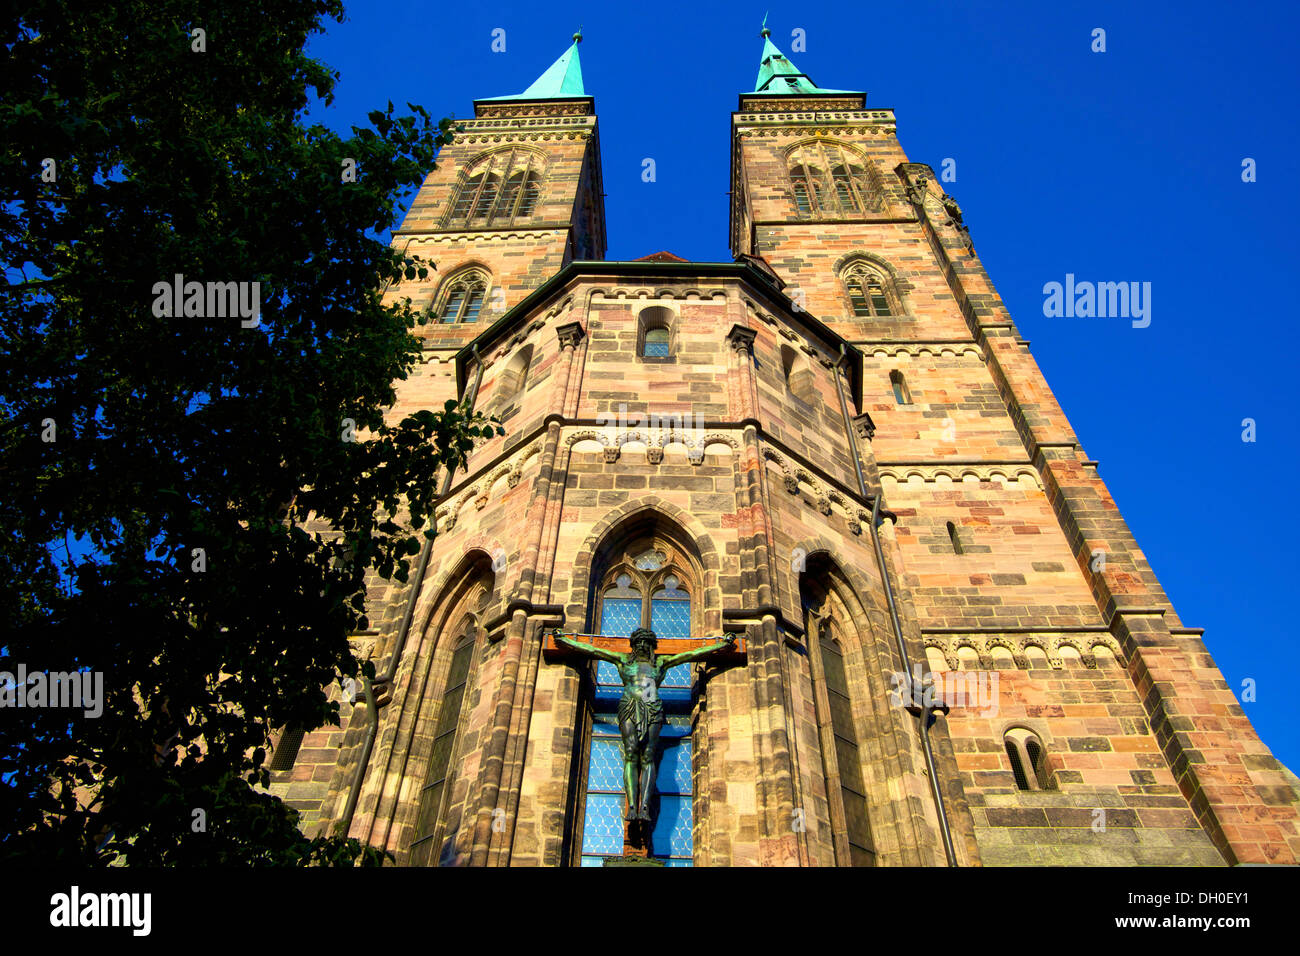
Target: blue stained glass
<point>606,764</point>
<point>679,676</point>
<point>602,825</point>
<point>674,767</point>
<point>619,617</point>
<point>672,830</point>
<point>670,618</point>
<point>607,673</point>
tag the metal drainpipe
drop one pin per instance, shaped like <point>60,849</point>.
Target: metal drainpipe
<point>404,629</point>
<point>924,714</point>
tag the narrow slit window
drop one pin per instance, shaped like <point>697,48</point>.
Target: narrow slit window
<point>902,395</point>
<point>953,537</point>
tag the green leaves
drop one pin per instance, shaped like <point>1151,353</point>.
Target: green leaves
<point>180,435</point>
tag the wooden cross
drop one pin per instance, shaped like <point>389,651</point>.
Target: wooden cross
<point>665,647</point>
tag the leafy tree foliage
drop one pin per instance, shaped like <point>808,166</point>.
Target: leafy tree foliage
<point>182,512</point>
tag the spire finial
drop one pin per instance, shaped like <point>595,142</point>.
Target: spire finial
<point>765,32</point>
<point>577,37</point>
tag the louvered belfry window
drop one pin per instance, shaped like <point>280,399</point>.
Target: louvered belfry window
<point>501,188</point>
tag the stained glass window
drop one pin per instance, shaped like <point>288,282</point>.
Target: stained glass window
<point>656,344</point>
<point>623,609</point>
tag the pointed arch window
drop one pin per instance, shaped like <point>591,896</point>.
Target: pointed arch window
<point>833,706</point>
<point>831,180</point>
<point>461,298</point>
<point>520,194</point>
<point>807,189</point>
<point>847,181</point>
<point>646,587</point>
<point>871,292</point>
<point>504,186</point>
<point>285,754</point>
<point>433,793</point>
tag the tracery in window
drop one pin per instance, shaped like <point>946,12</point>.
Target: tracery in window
<point>501,187</point>
<point>830,179</point>
<point>461,297</point>
<point>870,289</point>
<point>647,585</point>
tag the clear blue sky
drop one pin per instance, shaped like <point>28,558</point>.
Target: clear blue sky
<point>1123,165</point>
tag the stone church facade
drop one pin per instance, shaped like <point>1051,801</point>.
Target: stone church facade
<point>699,448</point>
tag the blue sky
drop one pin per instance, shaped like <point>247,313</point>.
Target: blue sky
<point>1116,166</point>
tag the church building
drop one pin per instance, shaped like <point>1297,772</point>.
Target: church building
<point>835,448</point>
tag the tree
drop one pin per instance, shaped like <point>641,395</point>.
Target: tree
<point>183,511</point>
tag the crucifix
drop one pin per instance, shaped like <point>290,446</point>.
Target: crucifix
<point>641,711</point>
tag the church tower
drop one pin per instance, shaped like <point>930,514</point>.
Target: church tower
<point>832,471</point>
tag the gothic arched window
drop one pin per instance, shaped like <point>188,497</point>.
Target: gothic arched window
<point>846,192</point>
<point>454,655</point>
<point>807,182</point>
<point>501,187</point>
<point>647,586</point>
<point>520,194</point>
<point>871,291</point>
<point>461,297</point>
<point>833,705</point>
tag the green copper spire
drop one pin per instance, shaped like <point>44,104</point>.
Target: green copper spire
<point>776,74</point>
<point>562,79</point>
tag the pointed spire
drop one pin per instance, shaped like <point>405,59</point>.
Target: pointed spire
<point>562,79</point>
<point>776,74</point>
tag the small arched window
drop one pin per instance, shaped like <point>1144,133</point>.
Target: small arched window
<point>1028,759</point>
<point>806,187</point>
<point>461,298</point>
<point>902,394</point>
<point>285,754</point>
<point>655,332</point>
